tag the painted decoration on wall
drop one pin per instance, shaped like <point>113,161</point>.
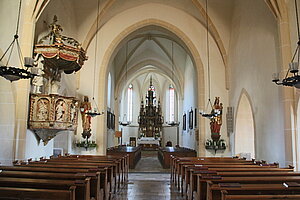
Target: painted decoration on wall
<point>112,121</point>
<point>108,120</point>
<point>184,122</point>
<point>195,118</point>
<point>49,114</point>
<point>191,114</point>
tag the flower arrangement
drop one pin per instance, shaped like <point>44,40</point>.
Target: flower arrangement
<point>87,144</point>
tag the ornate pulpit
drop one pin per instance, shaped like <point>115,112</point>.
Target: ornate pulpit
<point>50,114</point>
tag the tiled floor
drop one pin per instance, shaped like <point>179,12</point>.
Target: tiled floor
<point>148,181</point>
<point>149,163</point>
<point>148,186</point>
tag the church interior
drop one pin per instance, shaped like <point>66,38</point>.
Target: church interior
<point>149,85</point>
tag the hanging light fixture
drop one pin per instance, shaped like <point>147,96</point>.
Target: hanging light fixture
<point>172,123</point>
<point>125,123</point>
<point>294,79</point>
<point>213,113</point>
<point>95,111</point>
<point>14,73</point>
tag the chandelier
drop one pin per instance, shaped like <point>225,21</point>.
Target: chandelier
<point>95,112</point>
<point>12,73</point>
<point>292,77</point>
<point>214,112</point>
<point>215,116</point>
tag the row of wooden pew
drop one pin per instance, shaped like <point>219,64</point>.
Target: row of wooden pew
<point>70,177</point>
<point>228,178</point>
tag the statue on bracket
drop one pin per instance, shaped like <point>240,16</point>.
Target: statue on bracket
<point>86,119</point>
<point>215,143</point>
<point>216,120</point>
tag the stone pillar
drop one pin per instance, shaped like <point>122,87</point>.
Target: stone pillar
<point>23,86</point>
<point>7,119</point>
<point>287,92</point>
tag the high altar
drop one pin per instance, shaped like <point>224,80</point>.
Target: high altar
<point>150,119</point>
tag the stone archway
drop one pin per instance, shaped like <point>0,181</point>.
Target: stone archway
<point>102,91</point>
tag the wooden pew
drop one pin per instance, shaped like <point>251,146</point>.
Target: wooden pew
<point>112,169</point>
<point>179,162</point>
<point>134,153</point>
<point>113,178</point>
<point>180,166</point>
<point>82,191</point>
<point>226,196</point>
<point>36,193</point>
<point>206,191</point>
<point>175,160</point>
<point>104,173</point>
<point>191,182</point>
<point>95,190</point>
<point>164,154</point>
<point>199,164</point>
<point>123,167</point>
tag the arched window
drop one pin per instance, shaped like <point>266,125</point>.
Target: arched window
<point>129,103</point>
<point>171,103</point>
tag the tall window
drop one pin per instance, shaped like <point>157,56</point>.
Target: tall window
<point>109,90</point>
<point>172,104</point>
<point>129,103</point>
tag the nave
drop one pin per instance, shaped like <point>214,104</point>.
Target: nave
<point>144,73</point>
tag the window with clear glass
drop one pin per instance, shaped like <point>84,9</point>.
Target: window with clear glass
<point>172,103</point>
<point>129,103</point>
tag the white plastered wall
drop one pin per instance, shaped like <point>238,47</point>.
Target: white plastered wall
<point>253,57</point>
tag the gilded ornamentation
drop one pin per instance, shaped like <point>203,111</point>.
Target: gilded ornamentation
<point>50,114</point>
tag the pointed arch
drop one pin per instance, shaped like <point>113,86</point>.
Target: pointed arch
<point>103,71</point>
<point>244,126</point>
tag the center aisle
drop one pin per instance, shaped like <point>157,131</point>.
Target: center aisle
<point>148,181</point>
<point>148,186</point>
<point>149,163</point>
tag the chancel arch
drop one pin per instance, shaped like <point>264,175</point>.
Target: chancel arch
<point>194,53</point>
<point>244,127</point>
